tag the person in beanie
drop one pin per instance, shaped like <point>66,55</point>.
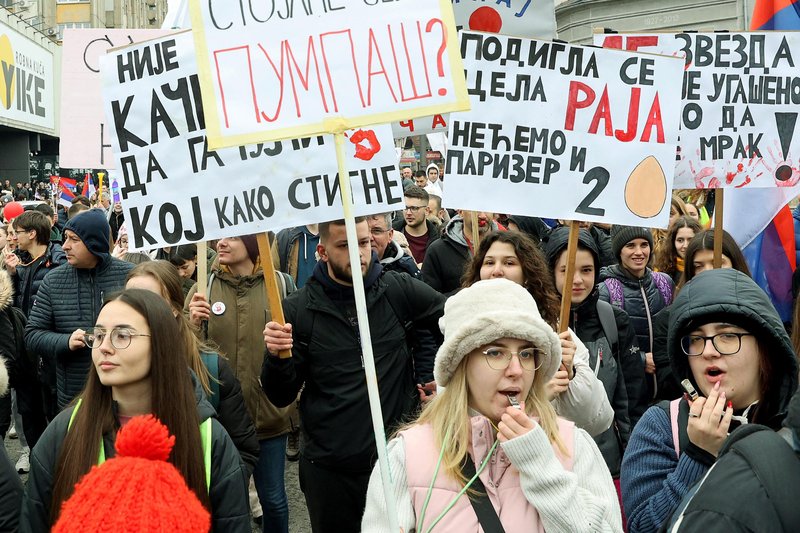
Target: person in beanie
<point>235,307</point>
<point>137,369</point>
<point>69,299</point>
<point>727,340</point>
<point>493,419</point>
<point>150,494</point>
<point>633,287</point>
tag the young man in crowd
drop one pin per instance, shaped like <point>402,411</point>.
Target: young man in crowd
<point>418,230</point>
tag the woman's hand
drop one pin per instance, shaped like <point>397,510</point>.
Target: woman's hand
<point>514,423</point>
<point>568,348</point>
<point>709,421</point>
<point>557,385</point>
<point>649,363</point>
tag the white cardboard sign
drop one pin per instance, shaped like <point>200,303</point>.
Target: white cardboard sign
<point>176,190</point>
<point>564,131</point>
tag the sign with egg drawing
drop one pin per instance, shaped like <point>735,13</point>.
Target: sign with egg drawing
<point>564,131</point>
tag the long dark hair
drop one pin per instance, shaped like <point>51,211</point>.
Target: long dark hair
<point>705,241</point>
<point>538,279</point>
<point>667,257</point>
<point>173,403</point>
<point>166,274</point>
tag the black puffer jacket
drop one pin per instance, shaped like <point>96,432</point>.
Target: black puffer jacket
<point>395,260</point>
<point>10,483</point>
<point>641,300</point>
<point>326,357</point>
<point>29,277</point>
<point>69,299</point>
<point>228,493</point>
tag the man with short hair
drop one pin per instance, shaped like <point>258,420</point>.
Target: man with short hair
<point>408,177</point>
<point>321,331</point>
<point>47,210</point>
<point>416,227</point>
<point>390,255</point>
<point>447,257</point>
<point>69,300</point>
<point>76,209</point>
<point>420,180</point>
<point>436,213</point>
<point>36,387</point>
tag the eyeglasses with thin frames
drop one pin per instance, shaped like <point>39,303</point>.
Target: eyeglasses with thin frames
<point>414,208</point>
<point>120,337</point>
<point>530,359</point>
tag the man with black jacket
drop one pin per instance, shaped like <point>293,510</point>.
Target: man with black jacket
<point>338,444</point>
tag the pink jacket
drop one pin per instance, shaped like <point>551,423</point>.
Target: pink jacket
<point>500,478</point>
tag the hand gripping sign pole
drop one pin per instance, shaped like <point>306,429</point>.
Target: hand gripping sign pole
<point>363,327</point>
<point>566,292</point>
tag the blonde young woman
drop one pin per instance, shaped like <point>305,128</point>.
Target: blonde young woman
<point>539,472</point>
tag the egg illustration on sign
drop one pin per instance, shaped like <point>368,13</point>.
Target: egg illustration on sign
<point>646,189</point>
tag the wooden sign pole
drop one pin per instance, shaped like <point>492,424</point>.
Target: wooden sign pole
<point>273,293</point>
<point>476,237</point>
<point>718,201</point>
<point>566,292</point>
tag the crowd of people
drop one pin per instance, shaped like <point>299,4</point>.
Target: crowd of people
<point>634,415</point>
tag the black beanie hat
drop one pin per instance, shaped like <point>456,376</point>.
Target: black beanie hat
<point>92,228</point>
<point>622,235</point>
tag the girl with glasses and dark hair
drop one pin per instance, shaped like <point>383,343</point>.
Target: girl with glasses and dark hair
<point>727,342</point>
<point>137,369</point>
<point>492,432</point>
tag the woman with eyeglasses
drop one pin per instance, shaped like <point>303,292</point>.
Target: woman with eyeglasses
<point>492,432</point>
<point>728,342</point>
<point>136,370</point>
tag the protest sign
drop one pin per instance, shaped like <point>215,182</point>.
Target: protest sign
<point>270,74</point>
<point>740,99</point>
<point>421,126</point>
<point>86,139</point>
<point>520,18</point>
<point>564,131</point>
<point>176,190</point>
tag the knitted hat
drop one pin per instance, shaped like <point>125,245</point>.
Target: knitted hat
<point>251,244</point>
<point>92,228</point>
<point>485,312</point>
<point>622,235</point>
<point>138,490</point>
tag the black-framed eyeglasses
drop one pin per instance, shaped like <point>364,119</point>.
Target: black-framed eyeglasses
<point>530,359</point>
<point>414,208</point>
<point>120,337</point>
<point>727,343</point>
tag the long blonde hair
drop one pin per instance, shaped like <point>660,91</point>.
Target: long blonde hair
<point>448,412</point>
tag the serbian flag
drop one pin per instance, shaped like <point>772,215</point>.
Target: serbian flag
<point>88,186</point>
<point>776,15</point>
<point>65,190</point>
<point>766,234</point>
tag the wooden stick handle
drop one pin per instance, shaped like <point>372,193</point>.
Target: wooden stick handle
<point>566,292</point>
<point>202,267</point>
<point>273,293</point>
<point>718,201</point>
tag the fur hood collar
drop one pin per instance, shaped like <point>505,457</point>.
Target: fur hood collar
<point>6,290</point>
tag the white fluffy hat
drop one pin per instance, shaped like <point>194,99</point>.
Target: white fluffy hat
<point>485,312</point>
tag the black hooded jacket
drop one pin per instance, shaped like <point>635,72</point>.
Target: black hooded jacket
<point>619,366</point>
<point>729,295</point>
<point>327,360</point>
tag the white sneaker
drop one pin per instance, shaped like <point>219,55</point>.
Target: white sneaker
<point>12,432</point>
<point>24,462</point>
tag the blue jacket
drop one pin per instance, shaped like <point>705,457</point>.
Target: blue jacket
<point>70,299</point>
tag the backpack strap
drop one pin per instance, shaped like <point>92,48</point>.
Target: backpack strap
<point>211,361</point>
<point>608,322</point>
<point>663,283</point>
<point>677,412</point>
<point>615,292</point>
